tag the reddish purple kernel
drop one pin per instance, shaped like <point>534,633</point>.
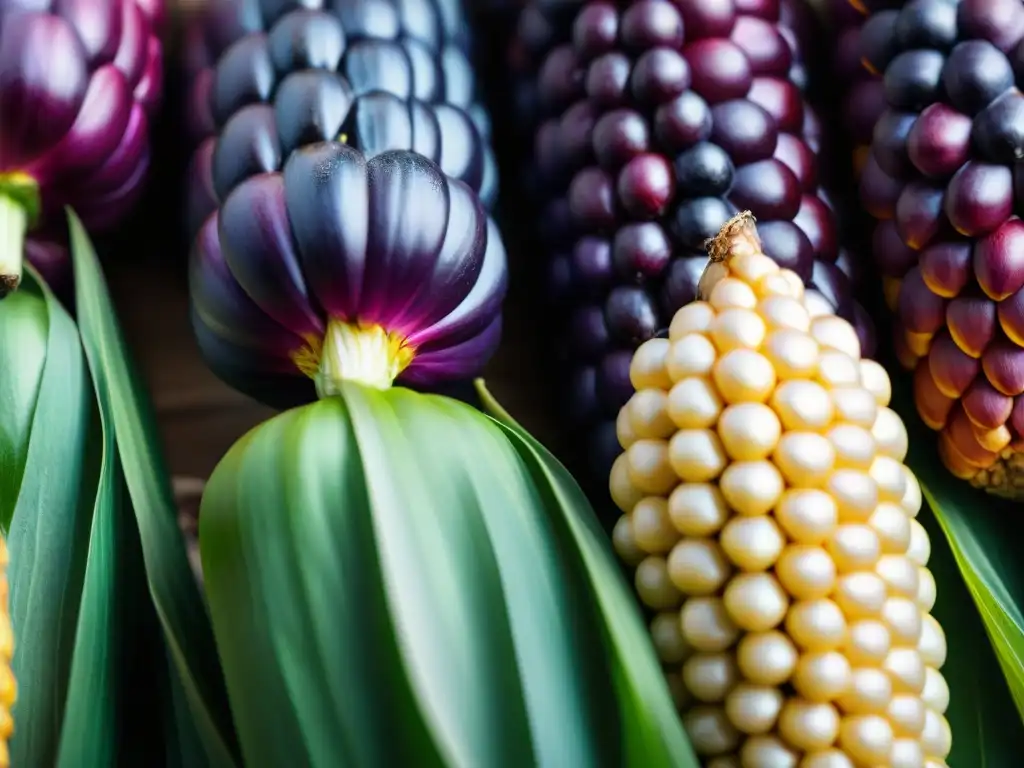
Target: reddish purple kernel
<point>592,199</point>
<point>781,99</point>
<point>986,406</point>
<point>946,267</point>
<point>645,186</point>
<point>682,122</point>
<point>1001,22</point>
<point>1011,317</point>
<point>920,310</point>
<point>766,49</point>
<point>719,69</point>
<point>999,260</point>
<point>560,78</point>
<point>979,198</point>
<point>651,23</point>
<point>618,136</point>
<point>1003,363</point>
<point>951,369</point>
<point>767,188</point>
<point>798,157</point>
<point>763,9</point>
<point>819,224</point>
<point>919,213</point>
<point>595,29</point>
<point>878,190</point>
<point>940,141</point>
<point>659,75</point>
<point>607,79</point>
<point>707,18</point>
<point>893,256</point>
<point>972,323</point>
<point>574,130</point>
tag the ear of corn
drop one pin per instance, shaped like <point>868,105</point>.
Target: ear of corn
<point>394,579</point>
<point>771,521</point>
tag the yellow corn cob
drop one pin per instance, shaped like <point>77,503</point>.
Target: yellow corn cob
<point>771,522</point>
<point>8,685</point>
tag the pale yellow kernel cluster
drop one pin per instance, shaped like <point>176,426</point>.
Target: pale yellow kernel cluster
<point>8,686</point>
<point>771,522</point>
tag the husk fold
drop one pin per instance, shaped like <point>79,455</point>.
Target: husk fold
<point>397,579</point>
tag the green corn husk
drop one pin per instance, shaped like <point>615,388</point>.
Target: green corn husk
<point>396,579</point>
<point>98,685</point>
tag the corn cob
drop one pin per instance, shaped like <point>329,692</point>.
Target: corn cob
<point>380,74</point>
<point>8,685</point>
<point>75,134</point>
<point>771,523</point>
<point>946,187</point>
<point>661,119</point>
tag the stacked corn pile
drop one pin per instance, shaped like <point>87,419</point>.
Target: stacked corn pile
<point>657,122</point>
<point>771,522</point>
<point>945,183</point>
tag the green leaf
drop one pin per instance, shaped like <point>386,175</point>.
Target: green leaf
<point>48,535</point>
<point>654,734</point>
<point>987,730</point>
<point>174,591</point>
<point>389,587</point>
<point>983,535</point>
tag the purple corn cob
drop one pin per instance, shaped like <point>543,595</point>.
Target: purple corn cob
<point>411,49</point>
<point>662,119</point>
<point>945,183</point>
<point>80,82</point>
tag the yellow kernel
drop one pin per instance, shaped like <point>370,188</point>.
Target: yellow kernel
<point>805,459</point>
<point>706,624</point>
<point>936,737</point>
<point>766,658</point>
<point>752,543</point>
<point>867,643</point>
<point>890,434</point>
<point>668,638</point>
<point>809,725</point>
<point>793,354</point>
<point>756,602</point>
<point>624,543</point>
<point>802,404</point>
<point>905,669</point>
<point>854,547</point>
<point>710,731</point>
<point>693,403</point>
<point>743,375</point>
<point>906,715</point>
<point>623,492</point>
<point>695,317</point>
<point>647,368</point>
<point>647,411</point>
<point>710,676</point>
<point>767,752</point>
<point>817,305</point>
<point>696,455</point>
<point>816,625</point>
<point>833,332</point>
<point>892,525</point>
<point>624,429</point>
<point>650,470</point>
<point>822,676</point>
<point>692,355</point>
<point>784,312</point>
<point>752,708</point>
<point>855,494</point>
<point>698,566</point>
<point>904,620</point>
<point>826,758</point>
<point>697,509</point>
<point>806,571</point>
<point>749,431</point>
<point>752,487</point>
<point>652,527</point>
<point>911,501</point>
<point>869,692</point>
<point>751,267</point>
<point>653,585</point>
<point>737,329</point>
<point>935,694</point>
<point>876,381</point>
<point>854,446</point>
<point>890,478</point>
<point>808,516</point>
<point>732,292</point>
<point>855,405</point>
<point>866,738</point>
<point>920,548</point>
<point>900,575</point>
<point>837,370</point>
<point>860,594</point>
<point>926,590</point>
<point>906,753</point>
